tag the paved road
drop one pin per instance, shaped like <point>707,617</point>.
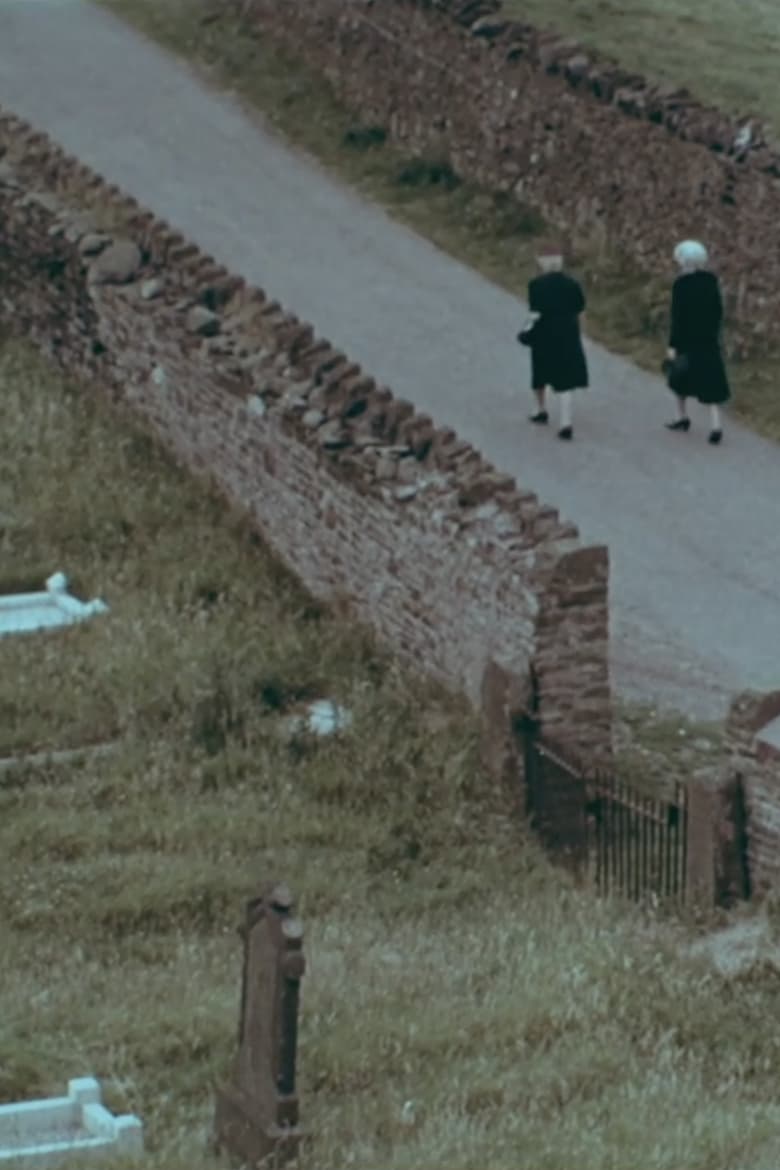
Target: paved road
<point>693,530</point>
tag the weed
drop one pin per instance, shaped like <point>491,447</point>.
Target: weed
<point>365,137</point>
<point>428,172</point>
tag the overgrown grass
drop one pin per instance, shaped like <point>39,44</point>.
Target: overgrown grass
<point>658,749</point>
<point>464,1006</point>
<point>492,233</point>
<point>725,53</point>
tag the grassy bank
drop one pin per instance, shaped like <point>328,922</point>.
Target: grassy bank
<point>627,312</point>
<point>530,1026</point>
<point>725,53</point>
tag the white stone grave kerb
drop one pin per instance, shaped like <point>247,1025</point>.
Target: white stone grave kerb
<point>22,613</point>
<point>47,1132</point>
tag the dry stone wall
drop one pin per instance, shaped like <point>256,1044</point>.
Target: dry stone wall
<point>365,499</point>
<point>604,154</point>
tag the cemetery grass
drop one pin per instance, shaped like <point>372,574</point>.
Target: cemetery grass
<point>494,234</point>
<point>464,1005</point>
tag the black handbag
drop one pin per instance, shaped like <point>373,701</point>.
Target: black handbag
<point>675,370</point>
<point>526,335</point>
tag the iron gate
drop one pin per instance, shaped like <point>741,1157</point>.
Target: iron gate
<point>625,841</point>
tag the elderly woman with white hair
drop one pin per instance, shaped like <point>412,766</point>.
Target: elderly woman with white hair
<point>694,365</point>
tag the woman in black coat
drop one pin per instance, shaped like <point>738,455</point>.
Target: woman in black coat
<point>694,364</point>
<point>557,357</point>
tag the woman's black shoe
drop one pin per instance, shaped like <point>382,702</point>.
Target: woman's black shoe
<point>541,416</point>
<point>715,437</point>
<point>565,433</point>
<point>682,424</point>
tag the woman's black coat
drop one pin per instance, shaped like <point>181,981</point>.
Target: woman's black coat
<point>557,356</point>
<point>697,313</point>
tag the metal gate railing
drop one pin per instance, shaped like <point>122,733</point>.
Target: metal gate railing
<point>623,840</point>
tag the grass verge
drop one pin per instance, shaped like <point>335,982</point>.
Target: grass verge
<point>656,749</point>
<point>725,53</point>
<point>464,1005</point>
<point>492,233</point>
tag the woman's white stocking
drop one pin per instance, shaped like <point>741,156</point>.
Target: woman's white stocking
<point>565,408</point>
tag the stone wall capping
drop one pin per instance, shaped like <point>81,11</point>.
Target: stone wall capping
<point>140,222</point>
<point>344,373</point>
<point>251,294</point>
<point>377,401</point>
<point>328,358</point>
<point>358,385</point>
<point>232,290</point>
<point>316,349</point>
<point>290,320</point>
<point>177,240</point>
<point>207,271</point>
<point>34,139</point>
<point>158,232</point>
<point>182,254</point>
<point>289,335</point>
<point>204,261</point>
<point>130,203</point>
<point>272,309</point>
<point>83,175</point>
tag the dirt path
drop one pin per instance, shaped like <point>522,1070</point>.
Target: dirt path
<point>693,530</point>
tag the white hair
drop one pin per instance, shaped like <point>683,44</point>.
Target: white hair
<point>690,254</point>
<point>550,262</point>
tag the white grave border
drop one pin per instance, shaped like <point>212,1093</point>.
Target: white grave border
<point>52,608</point>
<point>45,1132</point>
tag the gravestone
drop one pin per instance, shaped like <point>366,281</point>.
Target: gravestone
<point>257,1112</point>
